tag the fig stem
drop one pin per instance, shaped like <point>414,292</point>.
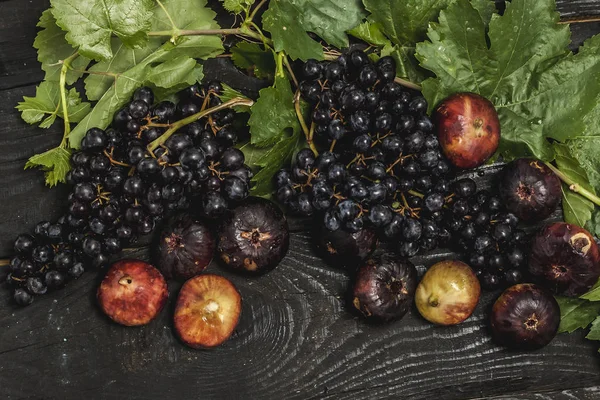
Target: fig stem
<point>433,301</point>
<point>574,186</point>
<point>125,280</point>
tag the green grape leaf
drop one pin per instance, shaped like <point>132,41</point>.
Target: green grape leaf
<point>330,19</point>
<point>106,74</point>
<point>407,66</point>
<point>230,93</point>
<point>584,152</point>
<point>282,20</point>
<point>486,9</point>
<point>593,225</point>
<point>594,330</point>
<point>55,164</point>
<point>237,6</point>
<point>52,48</point>
<point>275,134</point>
<point>252,154</point>
<point>520,137</point>
<point>90,24</point>
<point>288,21</point>
<point>576,209</point>
<point>576,313</point>
<point>405,21</point>
<point>273,160</point>
<point>252,57</point>
<point>46,105</point>
<point>176,73</point>
<point>593,294</point>
<point>113,82</point>
<point>591,119</point>
<point>370,32</point>
<point>527,71</point>
<point>584,149</point>
<point>272,113</point>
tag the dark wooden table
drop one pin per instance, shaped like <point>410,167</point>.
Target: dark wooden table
<point>295,338</point>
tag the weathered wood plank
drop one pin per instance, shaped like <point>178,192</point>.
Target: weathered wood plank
<point>24,198</point>
<point>589,393</point>
<point>578,8</point>
<point>18,59</point>
<point>296,339</point>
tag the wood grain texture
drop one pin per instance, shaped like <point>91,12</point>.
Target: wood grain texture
<point>18,59</point>
<point>589,393</point>
<point>24,199</point>
<point>296,338</point>
<point>578,8</point>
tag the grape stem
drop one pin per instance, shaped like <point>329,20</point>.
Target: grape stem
<point>407,84</point>
<point>333,143</point>
<point>255,11</point>
<point>242,31</point>
<point>175,126</point>
<point>331,55</point>
<point>415,193</point>
<point>63,96</point>
<point>288,66</point>
<point>305,129</point>
<point>574,186</point>
<point>197,32</point>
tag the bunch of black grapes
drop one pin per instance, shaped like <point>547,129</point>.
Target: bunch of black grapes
<point>121,189</point>
<point>380,166</point>
<point>487,235</point>
<point>381,158</point>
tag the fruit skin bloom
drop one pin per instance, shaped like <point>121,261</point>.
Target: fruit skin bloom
<point>525,317</point>
<point>254,237</point>
<point>530,189</point>
<point>185,247</point>
<point>384,288</point>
